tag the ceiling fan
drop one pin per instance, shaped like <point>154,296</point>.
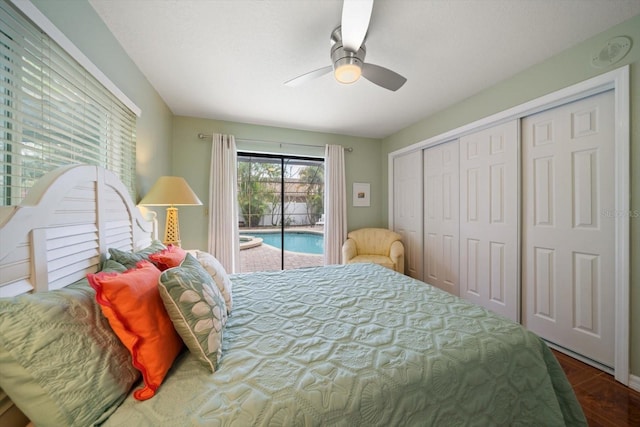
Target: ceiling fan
<point>348,51</point>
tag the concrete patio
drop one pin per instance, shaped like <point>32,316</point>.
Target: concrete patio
<point>267,258</point>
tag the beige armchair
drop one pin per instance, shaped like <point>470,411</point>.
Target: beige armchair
<point>377,245</point>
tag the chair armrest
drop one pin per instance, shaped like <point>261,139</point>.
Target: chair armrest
<point>396,253</point>
<point>349,250</point>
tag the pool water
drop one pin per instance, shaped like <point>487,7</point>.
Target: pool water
<point>295,241</point>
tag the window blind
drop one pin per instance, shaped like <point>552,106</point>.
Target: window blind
<point>53,112</point>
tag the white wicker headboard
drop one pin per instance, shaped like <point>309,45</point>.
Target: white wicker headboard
<point>62,231</point>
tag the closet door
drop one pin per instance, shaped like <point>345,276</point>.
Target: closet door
<point>407,209</point>
<point>568,226</point>
<point>489,250</point>
<point>441,221</point>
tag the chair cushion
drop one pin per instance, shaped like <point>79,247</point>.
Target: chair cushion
<point>374,241</point>
<point>376,259</point>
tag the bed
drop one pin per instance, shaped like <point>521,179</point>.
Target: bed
<point>338,345</point>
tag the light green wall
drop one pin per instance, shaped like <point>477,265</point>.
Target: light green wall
<point>191,159</point>
<point>81,24</point>
<point>569,67</point>
<point>163,150</point>
<point>168,144</point>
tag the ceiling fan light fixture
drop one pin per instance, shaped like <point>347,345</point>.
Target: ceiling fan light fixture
<point>347,73</point>
<point>347,65</point>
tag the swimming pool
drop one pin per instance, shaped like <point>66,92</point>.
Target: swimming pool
<point>295,241</point>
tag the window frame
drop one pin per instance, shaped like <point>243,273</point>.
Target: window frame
<point>57,107</point>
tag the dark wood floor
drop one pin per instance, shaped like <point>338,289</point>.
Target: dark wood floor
<point>605,402</point>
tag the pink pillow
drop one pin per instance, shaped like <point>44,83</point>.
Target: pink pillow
<point>168,258</point>
<point>132,304</point>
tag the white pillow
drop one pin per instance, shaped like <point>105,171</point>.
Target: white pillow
<point>219,274</point>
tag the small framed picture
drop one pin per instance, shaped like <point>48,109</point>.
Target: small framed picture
<point>361,194</point>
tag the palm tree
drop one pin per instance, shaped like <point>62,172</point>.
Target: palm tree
<point>251,192</point>
<point>313,177</point>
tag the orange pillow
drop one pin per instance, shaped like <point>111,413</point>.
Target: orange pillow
<point>168,258</point>
<point>132,304</point>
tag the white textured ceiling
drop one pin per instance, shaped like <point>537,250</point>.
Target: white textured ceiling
<point>227,60</point>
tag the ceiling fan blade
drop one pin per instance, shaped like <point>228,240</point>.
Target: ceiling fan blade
<point>355,23</point>
<point>297,81</point>
<point>383,77</point>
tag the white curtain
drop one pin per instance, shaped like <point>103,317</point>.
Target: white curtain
<point>224,239</point>
<point>335,204</point>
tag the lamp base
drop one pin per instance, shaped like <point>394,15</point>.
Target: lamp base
<point>172,228</point>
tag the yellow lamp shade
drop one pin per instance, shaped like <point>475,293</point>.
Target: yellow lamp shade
<point>171,191</point>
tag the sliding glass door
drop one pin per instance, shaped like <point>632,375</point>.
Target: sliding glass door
<point>281,211</point>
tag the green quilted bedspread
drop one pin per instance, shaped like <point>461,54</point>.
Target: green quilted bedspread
<point>361,345</point>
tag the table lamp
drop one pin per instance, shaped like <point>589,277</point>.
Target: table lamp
<point>171,191</point>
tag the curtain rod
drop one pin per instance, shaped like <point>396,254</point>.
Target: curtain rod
<point>203,136</point>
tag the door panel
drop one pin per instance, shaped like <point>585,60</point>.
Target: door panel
<point>277,194</point>
<point>489,256</point>
<point>568,246</point>
<point>407,209</point>
<point>441,220</point>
